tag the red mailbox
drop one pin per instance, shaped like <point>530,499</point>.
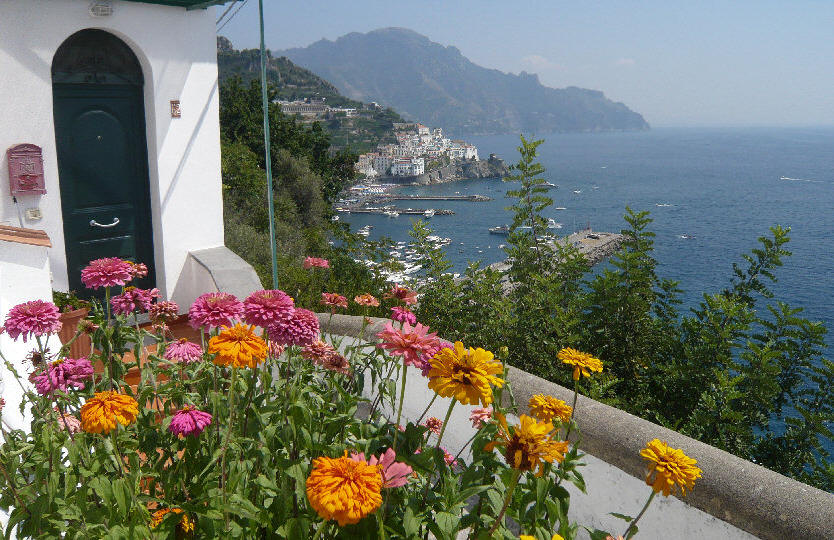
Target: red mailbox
<point>26,170</point>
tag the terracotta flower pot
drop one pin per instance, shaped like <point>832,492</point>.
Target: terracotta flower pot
<point>69,325</point>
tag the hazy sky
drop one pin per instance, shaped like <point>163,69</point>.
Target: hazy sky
<point>753,62</point>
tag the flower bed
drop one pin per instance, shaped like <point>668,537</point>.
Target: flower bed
<point>254,431</point>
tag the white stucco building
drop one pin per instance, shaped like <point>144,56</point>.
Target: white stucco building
<point>122,99</point>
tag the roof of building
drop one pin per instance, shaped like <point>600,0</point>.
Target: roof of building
<point>187,4</point>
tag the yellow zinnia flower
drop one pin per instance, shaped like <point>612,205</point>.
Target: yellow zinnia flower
<point>546,408</point>
<point>668,467</point>
<point>583,363</point>
<point>238,346</point>
<point>530,444</point>
<point>186,525</point>
<point>104,411</point>
<point>466,375</point>
<point>344,489</point>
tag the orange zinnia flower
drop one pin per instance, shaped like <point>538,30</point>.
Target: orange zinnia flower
<point>546,408</point>
<point>344,489</point>
<point>104,411</point>
<point>669,468</point>
<point>238,346</point>
<point>530,445</point>
<point>186,525</point>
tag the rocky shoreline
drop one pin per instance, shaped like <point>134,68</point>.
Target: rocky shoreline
<point>494,167</point>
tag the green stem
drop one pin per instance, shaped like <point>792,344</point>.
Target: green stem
<point>509,497</point>
<point>446,421</point>
<point>223,477</point>
<point>572,409</point>
<point>633,524</point>
<point>400,407</point>
<point>322,527</point>
<point>381,523</point>
<point>427,409</point>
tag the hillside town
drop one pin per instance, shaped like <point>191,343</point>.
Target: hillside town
<point>417,145</point>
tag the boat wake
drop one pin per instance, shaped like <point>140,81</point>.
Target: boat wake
<point>789,179</point>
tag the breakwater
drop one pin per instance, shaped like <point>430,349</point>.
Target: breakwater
<point>470,198</point>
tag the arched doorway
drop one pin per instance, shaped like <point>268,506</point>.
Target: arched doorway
<point>98,105</point>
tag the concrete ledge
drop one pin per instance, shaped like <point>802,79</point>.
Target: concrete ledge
<point>214,269</point>
<point>748,496</point>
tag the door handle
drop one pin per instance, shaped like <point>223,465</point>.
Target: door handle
<point>94,223</point>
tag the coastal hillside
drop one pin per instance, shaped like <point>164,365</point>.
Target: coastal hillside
<point>439,86</point>
<point>370,126</point>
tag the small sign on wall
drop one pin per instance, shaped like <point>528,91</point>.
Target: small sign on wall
<point>176,112</point>
<point>26,170</point>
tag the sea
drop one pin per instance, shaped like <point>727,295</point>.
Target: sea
<point>712,192</point>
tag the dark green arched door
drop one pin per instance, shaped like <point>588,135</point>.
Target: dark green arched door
<point>98,105</point>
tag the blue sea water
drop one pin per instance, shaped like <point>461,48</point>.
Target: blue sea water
<point>723,187</point>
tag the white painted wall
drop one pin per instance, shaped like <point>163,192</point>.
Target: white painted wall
<point>177,51</point>
<point>24,276</point>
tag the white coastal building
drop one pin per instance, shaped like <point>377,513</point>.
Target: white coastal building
<point>408,167</point>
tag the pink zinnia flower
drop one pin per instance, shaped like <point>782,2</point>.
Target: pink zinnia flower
<point>302,329</point>
<point>448,458</point>
<point>68,421</point>
<point>274,349</point>
<point>189,421</point>
<point>394,473</point>
<point>34,318</point>
<point>138,270</point>
<point>403,294</point>
<point>424,365</point>
<point>132,299</point>
<point>107,272</point>
<point>315,262</point>
<point>63,374</point>
<point>324,355</point>
<point>367,300</point>
<point>410,343</point>
<point>434,425</point>
<point>268,307</point>
<point>183,351</point>
<point>164,311</point>
<point>479,417</point>
<point>403,315</point>
<point>215,309</point>
<point>333,300</point>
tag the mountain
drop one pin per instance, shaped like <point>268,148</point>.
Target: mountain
<point>371,126</point>
<point>439,86</point>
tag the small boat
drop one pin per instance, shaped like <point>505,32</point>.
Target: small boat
<point>391,213</point>
<point>552,224</point>
<point>429,213</point>
<point>577,191</point>
<point>560,208</point>
<point>502,230</point>
<point>663,205</point>
<point>550,185</point>
<point>334,218</point>
<point>687,237</point>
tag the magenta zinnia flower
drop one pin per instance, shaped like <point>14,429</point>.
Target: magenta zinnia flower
<point>410,342</point>
<point>34,318</point>
<point>394,473</point>
<point>189,421</point>
<point>133,299</point>
<point>403,315</point>
<point>62,374</point>
<point>403,294</point>
<point>315,262</point>
<point>268,307</point>
<point>215,309</point>
<point>425,365</point>
<point>107,272</point>
<point>479,417</point>
<point>183,351</point>
<point>302,329</point>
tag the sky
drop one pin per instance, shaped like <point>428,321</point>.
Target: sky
<point>677,62</point>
